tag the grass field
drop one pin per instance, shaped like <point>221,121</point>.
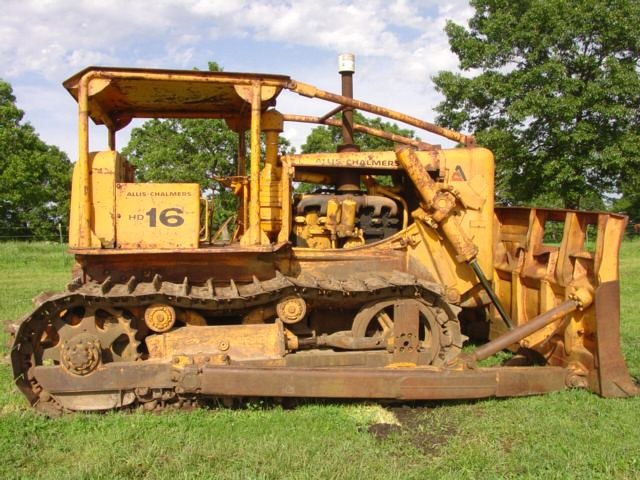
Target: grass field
<point>571,434</point>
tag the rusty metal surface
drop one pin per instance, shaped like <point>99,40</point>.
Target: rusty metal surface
<point>368,161</point>
<point>381,383</point>
<point>406,332</point>
<point>226,263</point>
<point>440,203</point>
<point>613,377</point>
<point>522,331</point>
<point>119,94</point>
<point>311,91</point>
<point>535,274</point>
<point>361,128</point>
<point>212,380</point>
<point>32,335</point>
<point>236,342</point>
<point>347,111</point>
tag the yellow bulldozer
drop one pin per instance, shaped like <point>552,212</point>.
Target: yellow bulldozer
<point>368,287</point>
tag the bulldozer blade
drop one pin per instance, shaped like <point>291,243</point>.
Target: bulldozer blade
<point>613,376</point>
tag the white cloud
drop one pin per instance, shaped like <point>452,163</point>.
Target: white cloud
<point>215,8</point>
<point>399,44</point>
<point>64,32</point>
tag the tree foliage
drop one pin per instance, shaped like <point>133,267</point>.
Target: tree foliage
<point>34,177</point>
<point>553,88</point>
<point>327,139</point>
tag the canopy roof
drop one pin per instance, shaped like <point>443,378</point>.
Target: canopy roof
<point>116,95</point>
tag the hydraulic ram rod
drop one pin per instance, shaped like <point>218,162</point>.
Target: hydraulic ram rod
<point>522,331</point>
<point>492,295</point>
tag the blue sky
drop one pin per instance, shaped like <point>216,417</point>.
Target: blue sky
<point>399,45</point>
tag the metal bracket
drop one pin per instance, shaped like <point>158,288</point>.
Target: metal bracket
<point>406,329</point>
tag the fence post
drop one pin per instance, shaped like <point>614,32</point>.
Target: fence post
<point>61,244</point>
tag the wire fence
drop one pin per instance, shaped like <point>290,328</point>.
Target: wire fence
<point>51,238</point>
<point>58,236</point>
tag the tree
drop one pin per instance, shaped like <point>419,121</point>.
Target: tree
<point>34,177</point>
<point>553,88</point>
<point>630,199</point>
<point>327,139</point>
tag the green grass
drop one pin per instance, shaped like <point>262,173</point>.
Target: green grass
<point>571,434</point>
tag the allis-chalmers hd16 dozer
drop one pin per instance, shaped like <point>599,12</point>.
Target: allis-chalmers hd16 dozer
<point>366,288</point>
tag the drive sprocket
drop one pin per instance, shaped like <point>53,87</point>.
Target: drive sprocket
<point>83,338</point>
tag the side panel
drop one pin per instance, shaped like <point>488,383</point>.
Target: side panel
<point>157,215</point>
<point>468,172</point>
<point>107,168</point>
<point>104,169</point>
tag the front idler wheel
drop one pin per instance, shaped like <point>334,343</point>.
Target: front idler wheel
<point>413,330</point>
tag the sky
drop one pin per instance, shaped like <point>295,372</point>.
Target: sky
<point>399,45</point>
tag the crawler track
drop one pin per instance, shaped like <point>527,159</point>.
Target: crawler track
<point>208,298</point>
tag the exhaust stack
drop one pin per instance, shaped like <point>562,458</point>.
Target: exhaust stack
<point>348,181</point>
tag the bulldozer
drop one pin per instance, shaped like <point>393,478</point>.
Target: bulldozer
<point>367,287</point>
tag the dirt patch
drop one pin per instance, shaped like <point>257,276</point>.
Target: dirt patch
<point>383,430</point>
<point>426,428</point>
